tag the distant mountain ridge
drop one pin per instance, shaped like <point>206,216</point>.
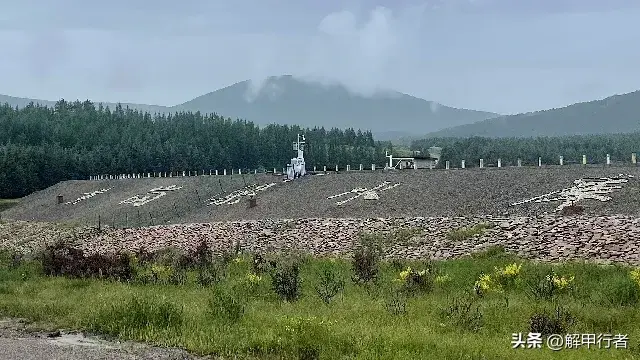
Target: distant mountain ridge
<point>613,114</point>
<point>288,100</point>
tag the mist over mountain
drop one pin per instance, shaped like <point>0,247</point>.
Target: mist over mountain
<point>289,100</point>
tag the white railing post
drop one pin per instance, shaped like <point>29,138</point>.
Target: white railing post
<point>446,164</point>
<point>499,163</point>
<point>481,163</point>
<point>462,164</point>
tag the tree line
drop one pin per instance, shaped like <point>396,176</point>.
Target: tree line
<point>528,150</point>
<point>40,146</point>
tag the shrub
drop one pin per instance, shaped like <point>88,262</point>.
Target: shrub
<point>210,273</point>
<point>547,323</point>
<point>172,257</point>
<point>508,277</point>
<point>224,306</point>
<point>63,260</point>
<point>550,286</point>
<point>366,259</point>
<point>329,284</point>
<point>202,256</point>
<point>486,284</point>
<point>418,281</point>
<point>260,265</point>
<point>464,313</point>
<point>572,209</point>
<point>285,281</point>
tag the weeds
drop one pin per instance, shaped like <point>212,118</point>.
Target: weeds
<point>329,284</point>
<point>366,259</point>
<point>556,322</point>
<point>64,260</point>
<point>136,315</point>
<point>285,281</point>
<point>465,313</point>
<point>467,233</point>
<point>396,302</point>
<point>225,306</point>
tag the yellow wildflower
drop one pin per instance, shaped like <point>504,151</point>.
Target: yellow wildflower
<point>253,278</point>
<point>405,274</point>
<point>442,278</point>
<point>635,275</point>
<point>510,270</point>
<point>238,260</point>
<point>562,282</point>
<point>483,284</point>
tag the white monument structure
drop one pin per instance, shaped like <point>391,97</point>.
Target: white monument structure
<point>296,168</point>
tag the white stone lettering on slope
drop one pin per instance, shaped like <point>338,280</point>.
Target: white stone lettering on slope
<point>237,195</point>
<point>587,188</point>
<point>86,196</point>
<point>153,194</point>
<point>367,194</point>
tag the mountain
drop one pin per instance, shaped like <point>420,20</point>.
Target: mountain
<point>287,100</point>
<point>22,102</point>
<point>614,114</point>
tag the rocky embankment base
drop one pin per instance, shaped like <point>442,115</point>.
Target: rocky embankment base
<point>548,238</point>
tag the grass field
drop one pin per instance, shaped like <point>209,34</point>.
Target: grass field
<point>241,306</point>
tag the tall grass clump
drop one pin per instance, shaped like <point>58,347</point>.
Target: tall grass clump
<point>138,315</point>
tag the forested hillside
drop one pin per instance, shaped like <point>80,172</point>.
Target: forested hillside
<point>509,150</point>
<point>40,146</point>
<point>612,115</point>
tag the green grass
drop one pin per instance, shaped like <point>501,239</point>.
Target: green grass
<point>466,233</point>
<point>356,324</point>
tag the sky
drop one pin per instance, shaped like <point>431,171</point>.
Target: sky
<point>504,56</point>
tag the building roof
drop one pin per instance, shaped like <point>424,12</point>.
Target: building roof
<point>424,157</point>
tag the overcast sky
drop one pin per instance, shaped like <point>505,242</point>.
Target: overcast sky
<point>505,56</point>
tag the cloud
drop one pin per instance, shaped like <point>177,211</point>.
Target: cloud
<point>45,52</point>
<point>345,49</point>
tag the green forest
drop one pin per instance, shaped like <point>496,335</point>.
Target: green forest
<point>509,150</point>
<point>40,146</point>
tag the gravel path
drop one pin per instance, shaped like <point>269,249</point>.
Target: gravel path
<point>17,343</point>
